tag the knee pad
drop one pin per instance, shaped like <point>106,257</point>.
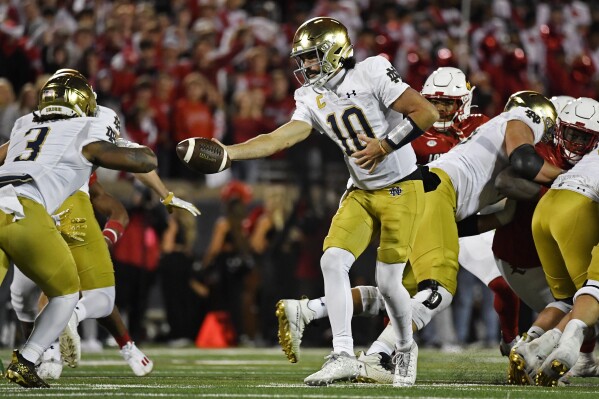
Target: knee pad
<point>372,301</point>
<point>564,305</point>
<point>99,302</point>
<point>590,287</point>
<point>336,260</point>
<point>429,302</point>
<point>24,297</point>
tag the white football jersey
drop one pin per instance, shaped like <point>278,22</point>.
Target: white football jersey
<point>50,152</point>
<point>474,164</point>
<point>583,178</point>
<point>359,103</point>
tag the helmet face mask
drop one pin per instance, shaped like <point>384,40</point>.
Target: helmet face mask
<point>578,129</point>
<point>541,106</point>
<point>320,46</point>
<point>67,94</point>
<point>445,87</point>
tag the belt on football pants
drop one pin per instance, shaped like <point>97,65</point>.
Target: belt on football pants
<point>430,180</point>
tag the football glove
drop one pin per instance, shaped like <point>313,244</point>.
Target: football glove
<point>73,228</point>
<point>172,202</point>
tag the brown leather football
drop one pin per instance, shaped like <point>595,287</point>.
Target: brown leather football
<point>203,155</point>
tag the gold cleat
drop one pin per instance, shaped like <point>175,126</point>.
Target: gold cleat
<point>549,377</point>
<point>293,315</point>
<point>284,333</point>
<point>22,372</point>
<point>516,371</point>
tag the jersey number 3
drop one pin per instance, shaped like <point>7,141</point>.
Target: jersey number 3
<point>34,145</point>
<point>349,139</point>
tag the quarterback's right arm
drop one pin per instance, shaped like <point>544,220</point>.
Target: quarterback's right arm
<point>138,160</point>
<point>519,146</point>
<point>264,145</point>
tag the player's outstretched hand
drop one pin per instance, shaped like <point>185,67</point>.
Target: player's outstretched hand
<point>371,156</point>
<point>172,202</point>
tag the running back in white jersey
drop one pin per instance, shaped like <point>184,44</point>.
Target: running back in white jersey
<point>474,164</point>
<point>50,152</point>
<point>359,104</point>
<point>583,178</point>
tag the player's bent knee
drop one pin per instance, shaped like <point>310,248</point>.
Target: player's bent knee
<point>590,287</point>
<point>99,302</point>
<point>336,260</point>
<point>563,305</point>
<point>372,300</point>
<point>428,303</point>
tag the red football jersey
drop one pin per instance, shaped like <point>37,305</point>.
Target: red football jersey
<point>513,243</point>
<point>433,143</point>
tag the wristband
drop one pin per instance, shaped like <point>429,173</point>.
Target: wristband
<point>403,133</point>
<point>383,148</point>
<point>113,230</point>
<point>167,200</point>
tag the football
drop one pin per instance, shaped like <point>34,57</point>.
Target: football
<point>203,155</point>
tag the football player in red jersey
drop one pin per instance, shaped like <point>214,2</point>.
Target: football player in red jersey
<point>449,91</point>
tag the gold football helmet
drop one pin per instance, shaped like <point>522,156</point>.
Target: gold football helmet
<point>67,94</point>
<point>320,42</point>
<point>541,106</point>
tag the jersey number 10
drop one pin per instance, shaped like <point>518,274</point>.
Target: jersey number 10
<point>349,138</point>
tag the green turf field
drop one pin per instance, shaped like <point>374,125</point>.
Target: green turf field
<point>265,373</point>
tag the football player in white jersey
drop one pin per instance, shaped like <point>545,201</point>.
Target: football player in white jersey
<point>372,115</point>
<point>49,158</point>
<point>566,237</point>
<point>94,266</point>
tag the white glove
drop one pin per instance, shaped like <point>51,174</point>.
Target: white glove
<point>172,202</point>
<point>120,142</point>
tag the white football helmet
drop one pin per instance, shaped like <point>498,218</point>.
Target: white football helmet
<point>448,85</point>
<point>559,102</point>
<point>578,128</point>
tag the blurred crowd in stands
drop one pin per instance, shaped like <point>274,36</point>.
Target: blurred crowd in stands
<point>175,69</point>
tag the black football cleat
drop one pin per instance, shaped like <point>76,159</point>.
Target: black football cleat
<point>22,372</point>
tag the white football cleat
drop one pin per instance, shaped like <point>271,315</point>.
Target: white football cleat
<point>526,357</point>
<point>558,363</point>
<point>338,367</point>
<point>586,366</point>
<point>139,363</point>
<point>406,364</point>
<point>293,316</point>
<point>50,366</point>
<point>376,368</point>
<point>70,343</point>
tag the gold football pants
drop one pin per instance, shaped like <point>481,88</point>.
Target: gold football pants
<point>394,211</point>
<point>565,230</point>
<point>91,255</point>
<point>435,253</point>
<point>37,247</point>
